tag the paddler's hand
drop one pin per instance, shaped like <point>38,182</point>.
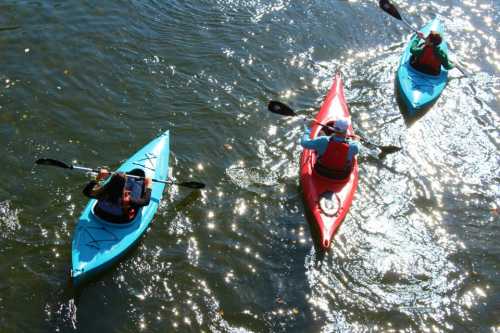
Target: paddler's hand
<point>103,174</point>
<point>420,35</point>
<point>148,182</point>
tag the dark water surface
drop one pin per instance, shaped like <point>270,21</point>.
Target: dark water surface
<point>92,81</point>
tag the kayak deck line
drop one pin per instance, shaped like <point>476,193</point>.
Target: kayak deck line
<point>151,158</point>
<point>97,241</point>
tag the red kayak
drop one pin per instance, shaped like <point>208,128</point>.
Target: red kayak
<point>328,200</point>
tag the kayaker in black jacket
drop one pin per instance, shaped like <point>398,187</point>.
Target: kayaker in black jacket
<point>120,197</point>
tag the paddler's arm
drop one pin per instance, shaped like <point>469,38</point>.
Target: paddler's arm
<point>416,47</point>
<point>319,144</point>
<point>445,61</point>
<point>93,185</point>
<point>353,150</point>
<point>88,191</point>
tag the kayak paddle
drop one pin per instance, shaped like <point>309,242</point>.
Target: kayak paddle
<point>390,9</point>
<point>60,164</point>
<point>285,110</point>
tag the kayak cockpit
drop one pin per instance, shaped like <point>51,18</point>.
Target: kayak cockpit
<point>118,222</point>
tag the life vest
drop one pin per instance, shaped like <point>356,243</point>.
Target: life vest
<point>336,156</point>
<point>428,61</point>
<point>132,190</point>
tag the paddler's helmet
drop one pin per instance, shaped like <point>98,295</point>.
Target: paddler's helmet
<point>341,125</point>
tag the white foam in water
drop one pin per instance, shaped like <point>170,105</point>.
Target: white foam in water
<point>9,221</point>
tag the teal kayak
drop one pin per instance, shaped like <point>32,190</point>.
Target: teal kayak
<point>419,90</point>
<point>97,244</point>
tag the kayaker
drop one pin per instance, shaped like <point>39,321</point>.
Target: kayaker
<point>336,152</point>
<point>119,198</point>
<point>427,56</point>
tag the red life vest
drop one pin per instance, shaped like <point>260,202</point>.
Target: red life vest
<point>428,62</point>
<point>336,156</point>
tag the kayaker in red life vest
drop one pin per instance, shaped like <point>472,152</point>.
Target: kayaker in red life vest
<point>120,198</point>
<point>335,152</point>
<point>427,57</point>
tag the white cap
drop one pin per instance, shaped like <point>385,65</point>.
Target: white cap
<point>341,125</point>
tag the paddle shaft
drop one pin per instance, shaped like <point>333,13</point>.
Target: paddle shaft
<point>84,169</point>
<point>284,110</point>
<point>364,140</point>
<point>60,164</point>
<point>409,25</point>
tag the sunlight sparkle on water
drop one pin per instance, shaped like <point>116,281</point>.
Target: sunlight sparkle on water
<point>241,207</point>
<point>228,52</point>
<point>480,292</point>
<point>272,130</point>
<point>229,277</point>
<point>287,94</point>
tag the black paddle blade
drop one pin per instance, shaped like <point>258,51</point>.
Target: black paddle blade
<point>386,150</point>
<point>280,108</point>
<point>193,185</point>
<point>51,162</point>
<point>390,9</point>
